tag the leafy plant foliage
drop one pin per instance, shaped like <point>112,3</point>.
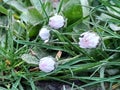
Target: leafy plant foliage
<point>21,48</point>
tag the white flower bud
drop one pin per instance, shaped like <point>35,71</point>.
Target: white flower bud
<point>89,40</point>
<point>44,33</point>
<point>47,64</point>
<point>114,27</point>
<point>56,22</point>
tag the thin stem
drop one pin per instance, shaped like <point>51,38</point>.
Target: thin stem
<point>44,10</point>
<point>60,6</point>
<point>102,70</point>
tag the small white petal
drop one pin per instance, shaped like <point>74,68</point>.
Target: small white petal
<point>56,21</point>
<point>114,27</point>
<point>47,64</point>
<point>44,33</point>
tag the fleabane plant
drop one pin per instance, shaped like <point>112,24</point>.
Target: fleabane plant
<point>56,21</point>
<point>47,64</point>
<point>44,34</point>
<point>89,40</point>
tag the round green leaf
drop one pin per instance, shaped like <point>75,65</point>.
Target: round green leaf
<point>73,11</point>
<point>29,59</point>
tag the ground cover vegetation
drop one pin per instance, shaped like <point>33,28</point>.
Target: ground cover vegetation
<point>65,41</point>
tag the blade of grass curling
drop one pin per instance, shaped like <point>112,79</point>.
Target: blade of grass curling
<point>3,10</point>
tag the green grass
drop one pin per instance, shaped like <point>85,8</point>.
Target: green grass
<point>20,22</point>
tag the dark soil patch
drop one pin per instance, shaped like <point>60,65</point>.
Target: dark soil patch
<point>52,85</point>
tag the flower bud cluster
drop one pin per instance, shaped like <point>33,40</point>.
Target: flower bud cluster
<point>86,40</point>
<point>55,22</point>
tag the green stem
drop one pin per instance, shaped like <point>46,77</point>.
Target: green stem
<point>102,70</point>
<point>44,10</point>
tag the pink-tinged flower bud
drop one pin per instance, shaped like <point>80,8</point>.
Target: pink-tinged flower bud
<point>47,64</point>
<point>44,33</point>
<point>89,40</point>
<point>56,21</point>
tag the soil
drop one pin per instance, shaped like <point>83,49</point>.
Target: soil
<point>52,85</point>
<point>55,85</point>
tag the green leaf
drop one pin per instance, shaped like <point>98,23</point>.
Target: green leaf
<point>36,4</point>
<point>32,16</point>
<point>41,7</point>
<point>73,11</point>
<point>16,5</point>
<point>3,10</point>
<point>48,8</point>
<point>33,31</point>
<point>30,59</point>
<point>40,53</point>
<point>34,59</point>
